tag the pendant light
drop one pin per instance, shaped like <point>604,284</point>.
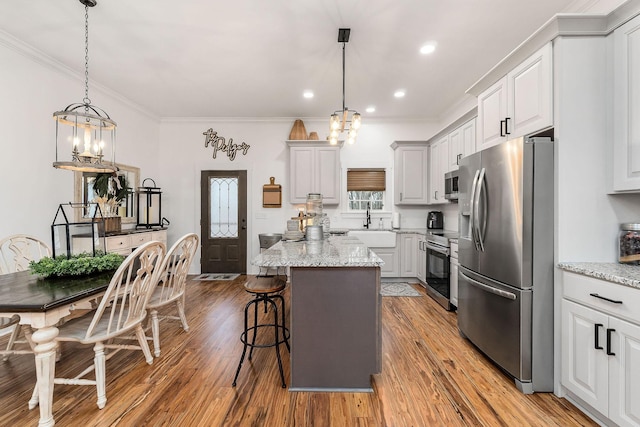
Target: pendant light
<point>345,119</point>
<point>86,129</point>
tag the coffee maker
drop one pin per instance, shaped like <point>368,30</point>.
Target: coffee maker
<point>434,220</point>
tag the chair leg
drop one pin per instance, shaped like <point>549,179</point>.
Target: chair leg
<point>183,318</point>
<point>255,323</point>
<point>99,364</point>
<point>142,340</point>
<point>155,332</point>
<point>12,339</point>
<point>284,323</point>
<point>277,345</point>
<point>246,339</point>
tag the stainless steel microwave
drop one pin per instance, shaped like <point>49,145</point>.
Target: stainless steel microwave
<point>451,185</point>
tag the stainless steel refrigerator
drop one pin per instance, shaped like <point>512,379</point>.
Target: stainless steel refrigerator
<point>505,294</point>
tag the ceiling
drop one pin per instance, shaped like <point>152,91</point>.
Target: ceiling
<point>254,58</point>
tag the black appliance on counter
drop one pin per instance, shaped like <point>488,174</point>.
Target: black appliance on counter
<point>437,278</point>
<point>435,220</point>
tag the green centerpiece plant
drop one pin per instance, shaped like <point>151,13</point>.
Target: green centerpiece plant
<point>78,265</point>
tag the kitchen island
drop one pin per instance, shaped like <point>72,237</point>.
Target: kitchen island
<point>335,312</point>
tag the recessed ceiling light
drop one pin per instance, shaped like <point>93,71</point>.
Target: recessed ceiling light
<point>307,94</point>
<point>428,48</point>
<point>399,94</point>
<point>370,109</point>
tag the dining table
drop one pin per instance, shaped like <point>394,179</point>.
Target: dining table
<point>41,303</point>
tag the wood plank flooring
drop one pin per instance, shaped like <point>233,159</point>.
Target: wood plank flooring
<point>430,377</point>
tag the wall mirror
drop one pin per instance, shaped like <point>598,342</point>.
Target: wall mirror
<point>86,185</point>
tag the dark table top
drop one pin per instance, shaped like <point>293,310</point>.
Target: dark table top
<point>26,292</point>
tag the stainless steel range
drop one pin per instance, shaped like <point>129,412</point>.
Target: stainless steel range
<point>438,285</point>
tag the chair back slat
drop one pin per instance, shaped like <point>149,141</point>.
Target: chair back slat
<point>124,303</point>
<point>18,250</point>
<point>175,268</point>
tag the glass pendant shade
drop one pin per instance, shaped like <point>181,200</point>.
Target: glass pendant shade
<point>90,134</point>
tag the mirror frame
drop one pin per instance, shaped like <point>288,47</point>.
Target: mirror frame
<point>78,184</point>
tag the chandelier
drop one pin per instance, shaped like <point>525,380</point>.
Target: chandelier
<point>345,119</point>
<point>86,128</point>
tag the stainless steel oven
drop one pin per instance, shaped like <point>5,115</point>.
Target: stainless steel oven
<point>438,269</point>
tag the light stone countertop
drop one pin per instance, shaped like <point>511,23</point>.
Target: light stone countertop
<point>623,274</point>
<point>336,251</point>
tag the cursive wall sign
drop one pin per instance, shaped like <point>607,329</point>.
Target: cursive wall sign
<point>218,143</point>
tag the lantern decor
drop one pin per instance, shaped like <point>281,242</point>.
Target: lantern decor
<point>73,238</point>
<point>149,212</point>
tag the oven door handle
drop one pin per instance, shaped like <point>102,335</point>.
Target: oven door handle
<point>438,249</point>
<point>496,291</point>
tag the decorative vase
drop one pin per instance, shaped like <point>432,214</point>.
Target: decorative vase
<point>298,132</point>
<point>313,136</point>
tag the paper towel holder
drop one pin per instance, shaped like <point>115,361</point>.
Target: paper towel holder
<point>395,220</point>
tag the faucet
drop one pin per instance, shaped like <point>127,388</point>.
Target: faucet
<point>368,221</point>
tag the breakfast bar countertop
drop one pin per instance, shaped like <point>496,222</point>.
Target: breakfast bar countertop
<point>335,251</point>
<point>623,274</point>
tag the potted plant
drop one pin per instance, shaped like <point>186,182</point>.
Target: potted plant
<point>111,189</point>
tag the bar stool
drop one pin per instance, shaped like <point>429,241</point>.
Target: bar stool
<point>266,289</point>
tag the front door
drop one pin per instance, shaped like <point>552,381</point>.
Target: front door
<point>224,221</point>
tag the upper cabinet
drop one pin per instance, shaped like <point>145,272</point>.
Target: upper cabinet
<point>626,129</point>
<point>438,162</point>
<point>314,167</point>
<point>462,142</point>
<point>518,104</point>
<point>410,168</point>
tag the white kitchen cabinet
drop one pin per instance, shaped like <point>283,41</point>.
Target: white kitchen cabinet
<point>314,168</point>
<point>601,346</point>
<point>390,258</point>
<point>462,142</point>
<point>626,129</point>
<point>453,275</point>
<point>408,255</point>
<point>518,104</point>
<point>422,258</point>
<point>438,160</point>
<point>410,168</point>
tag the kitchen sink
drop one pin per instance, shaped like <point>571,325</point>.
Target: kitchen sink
<point>375,238</point>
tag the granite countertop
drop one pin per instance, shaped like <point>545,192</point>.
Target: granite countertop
<point>623,274</point>
<point>336,251</point>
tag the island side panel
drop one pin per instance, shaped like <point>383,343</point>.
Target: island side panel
<point>335,327</point>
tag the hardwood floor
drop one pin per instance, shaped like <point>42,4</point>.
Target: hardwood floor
<point>430,377</point>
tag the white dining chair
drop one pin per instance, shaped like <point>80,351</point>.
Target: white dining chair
<point>171,286</point>
<point>120,313</point>
<point>16,252</point>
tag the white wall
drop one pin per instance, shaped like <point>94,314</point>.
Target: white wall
<point>33,87</point>
<point>183,154</point>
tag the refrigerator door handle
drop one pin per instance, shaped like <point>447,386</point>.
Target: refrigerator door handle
<point>476,215</point>
<point>496,291</point>
<point>472,220</point>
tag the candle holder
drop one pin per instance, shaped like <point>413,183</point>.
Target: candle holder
<point>72,238</point>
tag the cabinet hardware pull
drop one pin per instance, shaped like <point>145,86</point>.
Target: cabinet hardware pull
<point>458,158</point>
<point>606,299</point>
<point>609,352</point>
<point>506,125</point>
<point>400,196</point>
<point>597,345</point>
<point>436,195</point>
<point>502,122</point>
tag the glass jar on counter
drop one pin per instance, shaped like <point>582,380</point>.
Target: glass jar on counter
<point>629,244</point>
<point>314,204</point>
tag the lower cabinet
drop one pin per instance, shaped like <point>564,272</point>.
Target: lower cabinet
<point>390,258</point>
<point>453,275</point>
<point>600,351</point>
<point>422,259</point>
<point>408,255</point>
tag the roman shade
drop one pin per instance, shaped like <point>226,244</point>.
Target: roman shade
<point>366,179</point>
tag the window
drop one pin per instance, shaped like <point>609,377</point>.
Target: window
<point>366,186</point>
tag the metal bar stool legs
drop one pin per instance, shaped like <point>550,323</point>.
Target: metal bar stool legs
<point>266,292</point>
